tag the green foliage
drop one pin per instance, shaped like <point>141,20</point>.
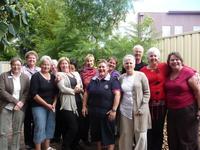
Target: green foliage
<point>73,28</point>
<point>12,18</point>
<point>143,34</point>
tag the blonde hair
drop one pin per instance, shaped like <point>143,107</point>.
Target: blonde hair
<point>103,61</point>
<point>31,53</point>
<point>60,60</point>
<point>88,56</point>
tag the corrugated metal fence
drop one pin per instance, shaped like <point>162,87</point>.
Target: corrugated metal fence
<point>187,44</point>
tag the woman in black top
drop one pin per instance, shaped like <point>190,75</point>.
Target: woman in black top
<point>43,92</point>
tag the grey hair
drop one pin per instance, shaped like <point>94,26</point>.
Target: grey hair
<point>54,62</point>
<point>138,47</point>
<point>129,57</point>
<point>154,50</point>
<point>45,58</point>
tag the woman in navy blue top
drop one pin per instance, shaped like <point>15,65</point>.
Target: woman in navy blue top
<point>102,96</point>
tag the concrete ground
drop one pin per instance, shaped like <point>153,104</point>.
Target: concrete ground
<point>92,147</point>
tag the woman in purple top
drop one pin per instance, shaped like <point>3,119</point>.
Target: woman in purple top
<point>183,103</point>
<point>112,63</point>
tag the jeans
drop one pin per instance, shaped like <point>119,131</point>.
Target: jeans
<point>44,121</point>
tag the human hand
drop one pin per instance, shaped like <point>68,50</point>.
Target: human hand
<point>138,113</point>
<point>16,108</point>
<point>20,104</point>
<point>58,78</point>
<point>84,111</point>
<point>111,115</point>
<point>50,107</point>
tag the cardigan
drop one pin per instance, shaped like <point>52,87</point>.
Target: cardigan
<point>141,95</point>
<point>67,94</point>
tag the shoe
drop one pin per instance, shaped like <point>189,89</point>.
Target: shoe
<point>29,147</point>
<point>51,148</point>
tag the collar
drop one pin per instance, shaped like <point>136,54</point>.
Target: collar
<point>107,77</point>
<point>13,74</point>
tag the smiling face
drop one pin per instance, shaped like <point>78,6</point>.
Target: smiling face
<point>64,66</point>
<point>175,63</point>
<point>45,66</point>
<point>153,58</point>
<point>31,60</point>
<point>138,53</point>
<point>16,67</point>
<point>129,66</point>
<point>103,69</point>
<point>89,62</point>
<point>112,65</point>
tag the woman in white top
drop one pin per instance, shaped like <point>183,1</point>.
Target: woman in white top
<point>134,109</point>
<point>14,88</point>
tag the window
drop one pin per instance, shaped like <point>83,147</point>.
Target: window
<point>166,31</point>
<point>178,30</point>
<point>196,28</point>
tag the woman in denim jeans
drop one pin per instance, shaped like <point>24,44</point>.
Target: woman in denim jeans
<point>44,93</point>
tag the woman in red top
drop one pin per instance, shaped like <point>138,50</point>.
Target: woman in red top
<point>183,103</point>
<point>88,71</point>
<point>156,73</point>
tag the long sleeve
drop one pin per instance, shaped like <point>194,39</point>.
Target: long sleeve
<point>64,85</point>
<point>6,88</point>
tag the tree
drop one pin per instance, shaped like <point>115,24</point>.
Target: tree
<point>142,33</point>
<point>68,27</point>
<point>12,18</point>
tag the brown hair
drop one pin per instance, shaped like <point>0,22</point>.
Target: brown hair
<point>177,54</point>
<point>14,59</point>
<point>113,58</point>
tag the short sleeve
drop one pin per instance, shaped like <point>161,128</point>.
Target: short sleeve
<point>188,72</point>
<point>115,84</point>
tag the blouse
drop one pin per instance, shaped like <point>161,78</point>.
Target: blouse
<point>46,89</point>
<point>178,92</point>
<point>157,78</point>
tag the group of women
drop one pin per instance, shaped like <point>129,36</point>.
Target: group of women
<point>90,102</point>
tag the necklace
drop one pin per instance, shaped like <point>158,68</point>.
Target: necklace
<point>46,76</point>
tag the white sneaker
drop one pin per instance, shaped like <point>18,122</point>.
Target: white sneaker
<point>51,148</point>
